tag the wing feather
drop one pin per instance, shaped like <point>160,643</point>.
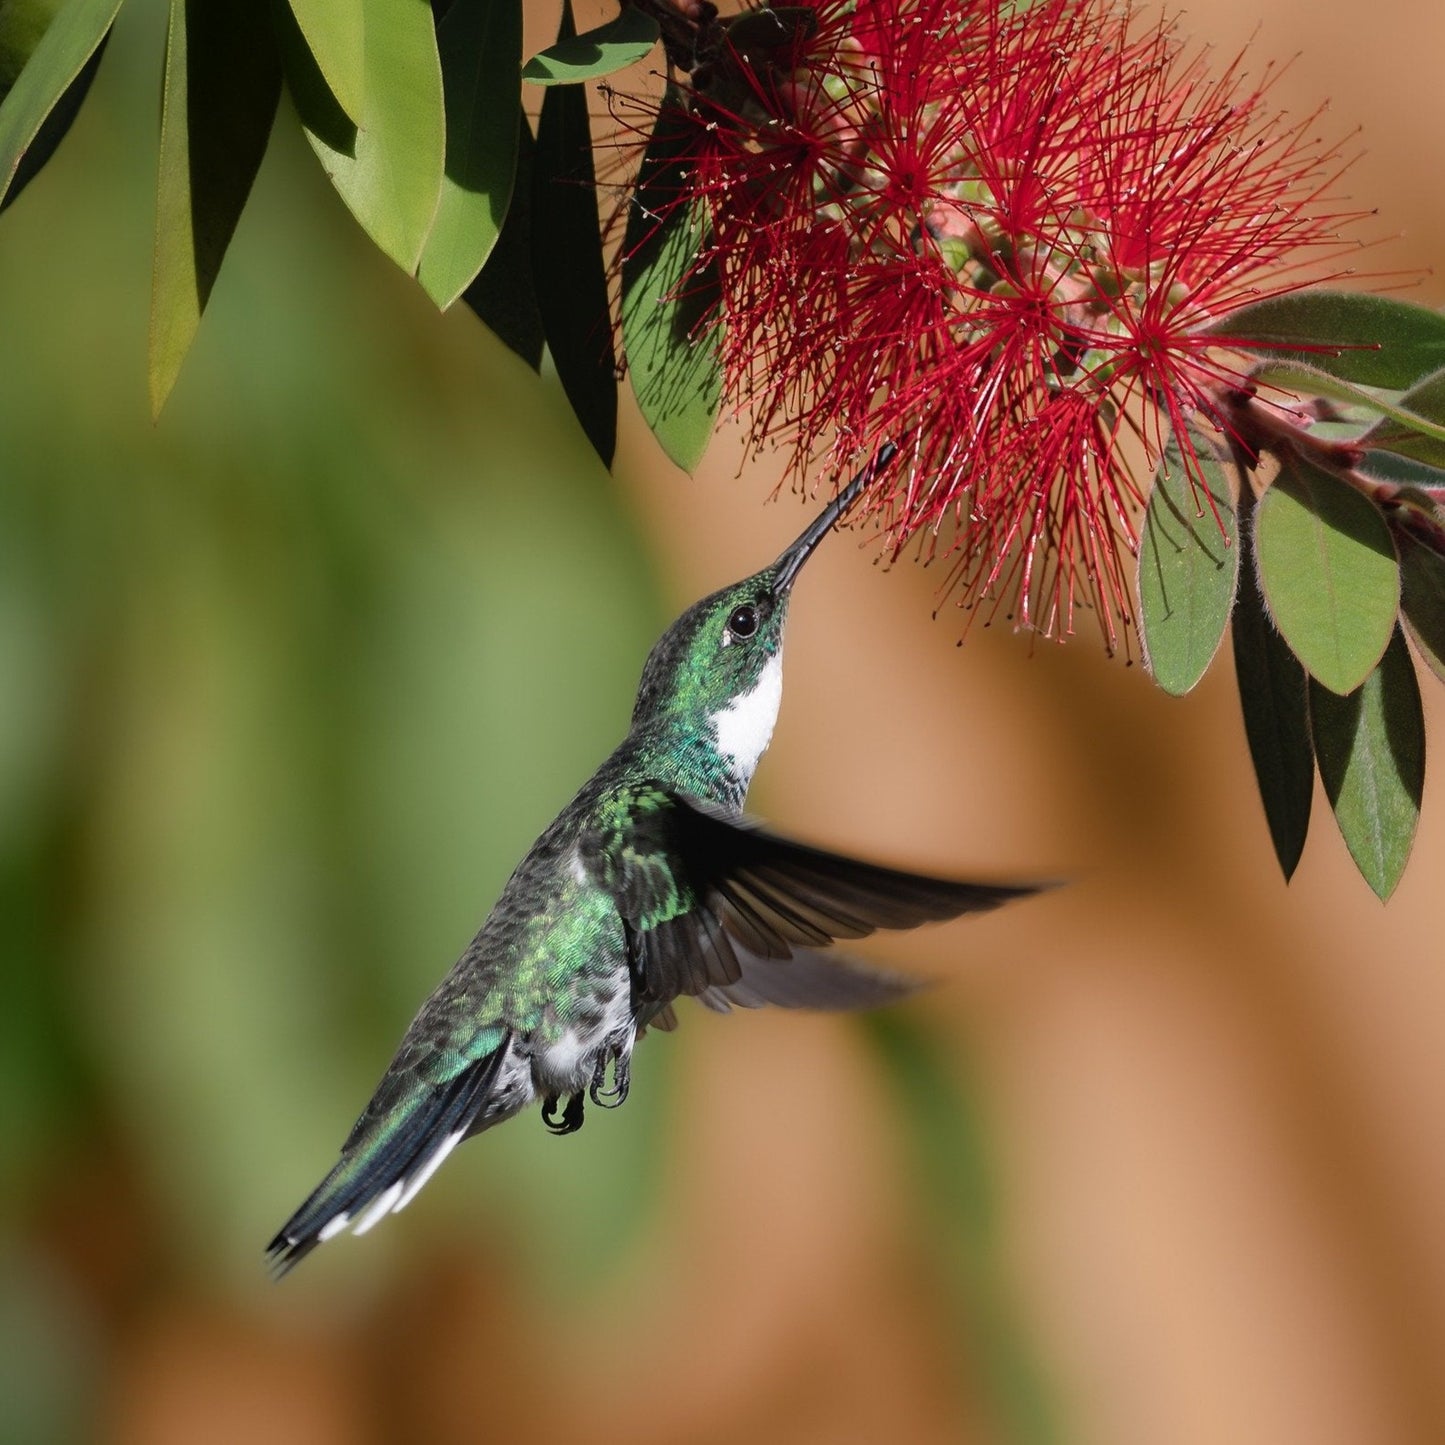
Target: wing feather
<point>812,980</point>
<point>723,909</point>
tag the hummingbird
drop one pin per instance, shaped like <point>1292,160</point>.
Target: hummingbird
<point>650,885</point>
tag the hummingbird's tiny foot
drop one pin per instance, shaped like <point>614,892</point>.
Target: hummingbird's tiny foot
<point>616,1096</point>
<point>571,1120</point>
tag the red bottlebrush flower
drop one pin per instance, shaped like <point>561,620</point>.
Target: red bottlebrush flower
<point>999,236</point>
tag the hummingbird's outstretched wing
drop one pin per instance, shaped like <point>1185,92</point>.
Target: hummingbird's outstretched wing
<point>809,979</point>
<point>719,907</point>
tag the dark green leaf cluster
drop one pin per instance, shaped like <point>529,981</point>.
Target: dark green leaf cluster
<point>415,113</point>
<point>1313,519</point>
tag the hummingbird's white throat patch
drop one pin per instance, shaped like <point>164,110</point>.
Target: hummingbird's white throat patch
<point>744,727</point>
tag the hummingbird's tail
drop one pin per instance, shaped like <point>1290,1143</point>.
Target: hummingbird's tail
<point>396,1146</point>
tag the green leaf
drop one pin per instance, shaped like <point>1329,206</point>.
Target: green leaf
<point>1188,564</point>
<point>1422,600</point>
<point>1293,376</point>
<point>1404,472</point>
<point>335,35</point>
<point>1274,697</point>
<point>480,42</point>
<point>1372,340</point>
<point>569,271</point>
<point>1371,750</point>
<point>222,85</point>
<point>669,305</point>
<point>1329,572</point>
<point>599,52</point>
<point>1404,432</point>
<point>388,166</point>
<point>37,109</point>
<point>503,296</point>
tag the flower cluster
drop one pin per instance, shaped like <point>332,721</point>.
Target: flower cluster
<point>998,235</point>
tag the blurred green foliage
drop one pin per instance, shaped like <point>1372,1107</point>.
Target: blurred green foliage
<point>955,1198</point>
<point>291,680</point>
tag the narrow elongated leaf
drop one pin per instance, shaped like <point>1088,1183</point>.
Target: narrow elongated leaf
<point>1188,565</point>
<point>609,47</point>
<point>1371,750</point>
<point>55,127</point>
<point>1372,340</point>
<point>569,271</point>
<point>1329,573</point>
<point>223,81</point>
<point>37,109</point>
<point>480,42</point>
<point>1294,376</point>
<point>1422,601</point>
<point>1403,434</point>
<point>503,295</point>
<point>335,35</point>
<point>1274,697</point>
<point>387,167</point>
<point>1426,401</point>
<point>669,304</point>
<point>1412,477</point>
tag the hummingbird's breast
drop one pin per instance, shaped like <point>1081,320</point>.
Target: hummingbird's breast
<point>596,1025</point>
<point>743,729</point>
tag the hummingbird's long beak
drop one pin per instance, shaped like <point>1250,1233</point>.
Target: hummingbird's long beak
<point>790,563</point>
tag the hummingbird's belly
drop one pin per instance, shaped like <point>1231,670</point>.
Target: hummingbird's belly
<point>566,1056</point>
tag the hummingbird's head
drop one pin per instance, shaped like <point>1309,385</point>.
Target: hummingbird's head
<point>718,670</point>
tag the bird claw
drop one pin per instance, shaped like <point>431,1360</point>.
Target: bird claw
<point>571,1120</point>
<point>616,1096</point>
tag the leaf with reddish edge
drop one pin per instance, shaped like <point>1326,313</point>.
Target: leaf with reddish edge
<point>599,52</point>
<point>38,108</point>
<point>670,328</point>
<point>1371,751</point>
<point>1188,564</point>
<point>503,295</point>
<point>1328,570</point>
<point>1422,599</point>
<point>1371,340</point>
<point>1274,698</point>
<point>480,44</point>
<point>1402,431</point>
<point>1296,377</point>
<point>336,37</point>
<point>570,272</point>
<point>1413,480</point>
<point>388,168</point>
<point>222,86</point>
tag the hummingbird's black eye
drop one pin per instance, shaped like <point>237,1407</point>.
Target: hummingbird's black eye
<point>744,621</point>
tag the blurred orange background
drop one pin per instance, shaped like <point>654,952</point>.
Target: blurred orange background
<point>294,676</point>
